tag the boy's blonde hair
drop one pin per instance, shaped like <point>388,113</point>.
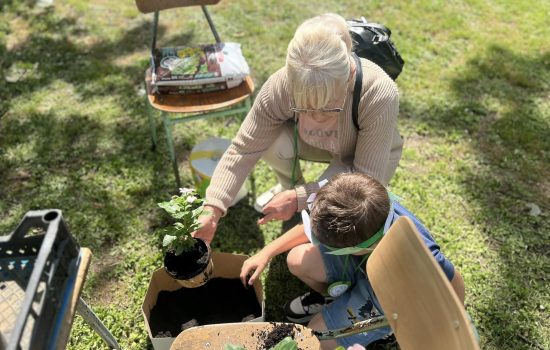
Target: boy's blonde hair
<point>318,60</point>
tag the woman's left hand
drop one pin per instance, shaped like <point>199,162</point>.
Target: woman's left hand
<point>282,207</point>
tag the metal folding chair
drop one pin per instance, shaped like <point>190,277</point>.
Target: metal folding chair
<point>190,107</point>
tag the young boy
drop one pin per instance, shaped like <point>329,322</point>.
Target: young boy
<point>349,215</point>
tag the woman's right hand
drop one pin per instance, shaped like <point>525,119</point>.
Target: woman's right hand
<point>282,207</point>
<point>209,224</point>
<point>253,266</point>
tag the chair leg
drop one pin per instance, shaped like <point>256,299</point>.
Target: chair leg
<point>94,322</point>
<point>152,126</point>
<point>170,142</point>
<point>211,24</point>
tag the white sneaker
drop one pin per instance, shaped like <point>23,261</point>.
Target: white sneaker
<point>265,197</point>
<point>303,308</point>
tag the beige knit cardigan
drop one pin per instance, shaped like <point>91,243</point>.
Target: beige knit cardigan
<point>367,150</point>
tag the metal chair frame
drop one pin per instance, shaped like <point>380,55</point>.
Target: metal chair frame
<point>169,121</point>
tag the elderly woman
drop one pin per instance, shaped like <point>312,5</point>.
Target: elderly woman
<point>304,110</point>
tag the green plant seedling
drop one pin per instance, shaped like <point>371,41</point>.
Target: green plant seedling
<point>186,210</point>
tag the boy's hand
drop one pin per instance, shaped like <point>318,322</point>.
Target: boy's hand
<point>282,207</point>
<point>253,265</point>
<point>209,224</point>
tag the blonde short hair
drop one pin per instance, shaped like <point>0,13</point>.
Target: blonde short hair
<point>318,60</point>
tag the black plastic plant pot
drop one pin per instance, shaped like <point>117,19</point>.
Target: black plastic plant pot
<point>192,268</point>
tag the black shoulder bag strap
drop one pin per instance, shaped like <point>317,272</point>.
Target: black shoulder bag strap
<point>357,91</point>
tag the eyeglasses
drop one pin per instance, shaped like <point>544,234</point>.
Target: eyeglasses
<point>320,110</point>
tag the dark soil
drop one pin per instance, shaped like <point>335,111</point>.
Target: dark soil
<point>218,301</point>
<point>267,340</point>
<point>277,334</point>
<point>187,264</point>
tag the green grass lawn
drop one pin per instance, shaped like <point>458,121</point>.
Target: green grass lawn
<point>475,116</point>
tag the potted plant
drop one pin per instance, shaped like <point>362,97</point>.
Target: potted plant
<point>187,259</point>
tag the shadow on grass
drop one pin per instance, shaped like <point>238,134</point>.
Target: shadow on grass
<point>64,167</point>
<point>103,68</point>
<point>97,169</point>
<point>238,231</point>
<point>94,165</point>
<point>512,144</point>
<point>7,3</point>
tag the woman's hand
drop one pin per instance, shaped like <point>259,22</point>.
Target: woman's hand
<point>253,266</point>
<point>209,224</point>
<point>282,207</point>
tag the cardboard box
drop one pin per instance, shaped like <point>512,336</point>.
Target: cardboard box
<point>226,265</point>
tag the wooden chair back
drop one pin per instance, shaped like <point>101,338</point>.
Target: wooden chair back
<point>416,296</point>
<point>148,6</point>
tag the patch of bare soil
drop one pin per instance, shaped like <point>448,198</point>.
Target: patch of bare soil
<point>102,291</point>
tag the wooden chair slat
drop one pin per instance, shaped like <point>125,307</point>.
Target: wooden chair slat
<point>421,306</point>
<point>148,6</point>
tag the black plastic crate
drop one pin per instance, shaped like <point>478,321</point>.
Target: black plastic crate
<point>38,265</point>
